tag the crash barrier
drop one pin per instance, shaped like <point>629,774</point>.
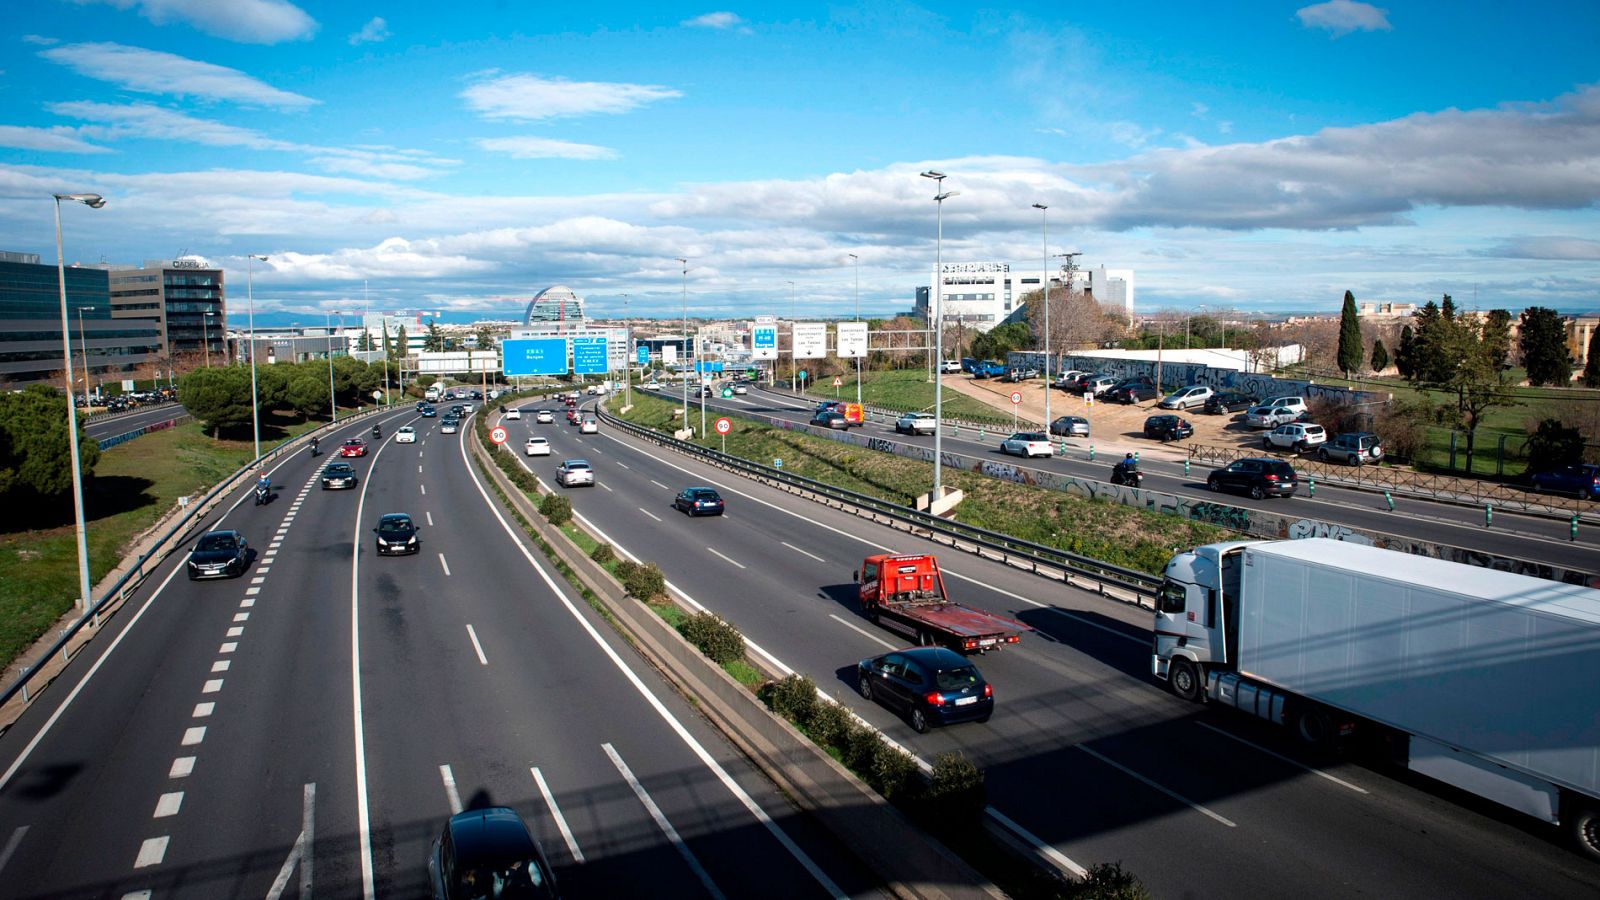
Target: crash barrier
<point>126,436</point>
<point>109,416</point>
<point>1254,384</point>
<point>1468,491</point>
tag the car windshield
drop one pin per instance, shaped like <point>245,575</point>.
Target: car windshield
<point>394,526</point>
<point>213,542</point>
<point>340,469</point>
<point>956,679</point>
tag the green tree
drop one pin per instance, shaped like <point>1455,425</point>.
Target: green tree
<point>434,343</point>
<point>218,397</point>
<point>1467,367</point>
<point>35,461</point>
<point>364,343</point>
<point>485,337</point>
<point>308,394</point>
<point>1553,444</point>
<point>1544,347</point>
<point>1403,359</point>
<point>1447,309</point>
<point>1430,352</point>
<point>1380,356</point>
<point>1497,333</point>
<point>1350,349</point>
<point>1591,365</point>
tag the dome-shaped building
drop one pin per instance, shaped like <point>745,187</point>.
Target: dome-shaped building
<point>556,308</point>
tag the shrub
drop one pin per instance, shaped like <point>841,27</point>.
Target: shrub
<point>795,698</point>
<point>1107,881</point>
<point>859,747</point>
<point>719,641</point>
<point>603,554</point>
<point>957,791</point>
<point>830,724</point>
<point>557,509</point>
<point>643,582</point>
<point>894,771</point>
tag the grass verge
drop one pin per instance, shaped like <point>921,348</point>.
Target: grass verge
<point>907,390</point>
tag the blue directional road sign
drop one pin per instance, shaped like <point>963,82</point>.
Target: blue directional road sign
<point>703,366</point>
<point>764,337</point>
<point>589,355</point>
<point>535,356</point>
<point>644,355</point>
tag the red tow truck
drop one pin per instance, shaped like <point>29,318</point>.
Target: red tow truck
<point>909,591</point>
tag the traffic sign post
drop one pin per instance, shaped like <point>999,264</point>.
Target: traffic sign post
<point>1016,401</point>
<point>724,426</point>
<point>498,434</point>
<point>837,383</point>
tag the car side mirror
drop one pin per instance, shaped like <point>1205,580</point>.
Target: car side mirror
<point>855,576</point>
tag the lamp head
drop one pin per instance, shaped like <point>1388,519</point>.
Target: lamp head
<point>1040,206</point>
<point>93,201</point>
<point>932,174</point>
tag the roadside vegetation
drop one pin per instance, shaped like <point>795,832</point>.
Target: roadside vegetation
<point>907,390</point>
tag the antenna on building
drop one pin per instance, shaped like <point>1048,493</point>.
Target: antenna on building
<point>1068,267</point>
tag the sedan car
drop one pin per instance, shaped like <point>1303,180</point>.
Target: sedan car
<point>928,685</point>
<point>1582,480</point>
<point>1228,402</point>
<point>353,447</point>
<point>1269,416</point>
<point>740,389</point>
<point>830,419</point>
<point>1028,444</point>
<point>1167,428</point>
<point>544,417</point>
<point>488,853</point>
<point>219,554</point>
<point>338,476</point>
<point>1131,393</point>
<point>1070,426</point>
<point>406,435</point>
<point>513,415</point>
<point>428,412</point>
<point>1257,477</point>
<point>916,423</point>
<point>651,385</point>
<point>1183,398</point>
<point>589,426</point>
<point>699,501</point>
<point>536,446</point>
<point>449,426</point>
<point>397,535</point>
<point>574,472</point>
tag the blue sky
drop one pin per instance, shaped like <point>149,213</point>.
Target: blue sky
<point>1263,156</point>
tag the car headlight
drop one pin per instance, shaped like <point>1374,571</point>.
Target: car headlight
<point>382,542</point>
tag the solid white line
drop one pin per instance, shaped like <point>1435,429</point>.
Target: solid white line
<point>555,812</point>
<point>445,564</point>
<point>649,513</point>
<point>1057,856</point>
<point>725,556</point>
<point>11,845</point>
<point>1170,793</point>
<point>168,804</point>
<point>662,823</point>
<point>871,637</point>
<point>1275,755</point>
<point>477,646</point>
<point>201,710</point>
<point>151,852</point>
<point>430,518</point>
<point>182,767</point>
<point>806,552</point>
<point>659,485</point>
<point>450,792</point>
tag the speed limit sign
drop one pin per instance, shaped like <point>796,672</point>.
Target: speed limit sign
<point>1016,396</point>
<point>724,426</point>
<point>498,434</point>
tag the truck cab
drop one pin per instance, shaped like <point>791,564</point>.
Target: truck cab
<point>1196,627</point>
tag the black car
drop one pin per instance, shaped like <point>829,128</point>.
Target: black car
<point>699,501</point>
<point>1167,428</point>
<point>1131,393</point>
<point>830,419</point>
<point>1257,477</point>
<point>928,685</point>
<point>338,475</point>
<point>219,554</point>
<point>397,535</point>
<point>488,853</point>
<point>1228,402</point>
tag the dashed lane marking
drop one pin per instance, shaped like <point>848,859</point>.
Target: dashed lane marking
<point>228,647</point>
<point>649,513</point>
<point>211,686</point>
<point>477,647</point>
<point>726,557</point>
<point>805,552</point>
<point>449,779</point>
<point>183,766</point>
<point>151,852</point>
<point>555,812</point>
<point>662,823</point>
<point>221,665</point>
<point>201,710</point>
<point>168,804</point>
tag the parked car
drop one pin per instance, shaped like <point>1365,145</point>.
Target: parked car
<point>830,419</point>
<point>928,685</point>
<point>1257,477</point>
<point>949,367</point>
<point>1167,428</point>
<point>536,446</point>
<point>1296,436</point>
<point>1352,448</point>
<point>1070,426</point>
<point>1228,402</point>
<point>1183,398</point>
<point>406,435</point>
<point>1022,373</point>
<point>1297,404</point>
<point>353,447</point>
<point>489,853</point>
<point>544,417</point>
<point>1067,379</point>
<point>1131,393</point>
<point>916,423</point>
<point>337,476</point>
<point>1582,480</point>
<point>219,554</point>
<point>513,415</point>
<point>1269,416</point>
<point>1028,444</point>
<point>1096,385</point>
<point>699,501</point>
<point>573,472</point>
<point>397,535</point>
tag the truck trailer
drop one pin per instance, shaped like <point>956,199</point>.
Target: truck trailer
<point>908,591</point>
<point>1485,680</point>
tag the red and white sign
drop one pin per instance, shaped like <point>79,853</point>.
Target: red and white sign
<point>837,381</point>
<point>498,434</point>
<point>1016,396</point>
<point>724,426</point>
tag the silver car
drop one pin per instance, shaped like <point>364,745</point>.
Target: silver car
<point>916,423</point>
<point>1070,426</point>
<point>573,472</point>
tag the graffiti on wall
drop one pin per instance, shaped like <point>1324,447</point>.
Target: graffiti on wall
<point>1311,528</point>
<point>1255,384</point>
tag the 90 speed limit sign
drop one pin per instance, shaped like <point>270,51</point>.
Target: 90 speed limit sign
<point>724,426</point>
<point>498,434</point>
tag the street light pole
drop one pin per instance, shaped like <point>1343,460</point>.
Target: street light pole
<point>627,379</point>
<point>205,335</point>
<point>93,201</point>
<point>255,400</point>
<point>83,352</point>
<point>935,310</point>
<point>333,404</point>
<point>857,260</point>
<point>794,362</point>
<point>698,343</point>
<point>1044,236</point>
<point>685,263</point>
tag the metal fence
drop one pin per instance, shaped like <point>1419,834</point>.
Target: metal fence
<point>127,436</point>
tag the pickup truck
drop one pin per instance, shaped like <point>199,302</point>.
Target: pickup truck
<point>908,591</point>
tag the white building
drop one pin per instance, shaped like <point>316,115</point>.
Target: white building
<point>983,295</point>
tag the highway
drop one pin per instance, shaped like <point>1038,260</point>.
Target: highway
<point>1534,538</point>
<point>111,426</point>
<point>309,727</point>
<point>1090,758</point>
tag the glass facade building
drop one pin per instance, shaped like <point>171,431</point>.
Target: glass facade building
<point>30,326</point>
<point>555,309</point>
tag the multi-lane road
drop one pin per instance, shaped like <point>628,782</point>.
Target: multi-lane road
<point>102,427</point>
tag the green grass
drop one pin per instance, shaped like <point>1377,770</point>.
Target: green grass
<point>906,390</point>
<point>744,673</point>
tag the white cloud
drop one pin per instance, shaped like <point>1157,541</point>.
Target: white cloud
<point>1225,126</point>
<point>245,21</point>
<point>1131,134</point>
<point>40,40</point>
<point>526,97</point>
<point>1199,109</point>
<point>373,32</point>
<point>719,20</point>
<point>154,72</point>
<point>545,148</point>
<point>59,139</point>
<point>1340,17</point>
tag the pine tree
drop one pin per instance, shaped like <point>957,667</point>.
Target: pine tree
<point>1544,347</point>
<point>1380,357</point>
<point>1350,351</point>
<point>1447,309</point>
<point>1403,360</point>
<point>1591,366</point>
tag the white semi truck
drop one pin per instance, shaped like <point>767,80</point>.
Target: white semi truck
<point>1485,680</point>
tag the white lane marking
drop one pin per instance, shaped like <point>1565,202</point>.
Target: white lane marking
<point>211,686</point>
<point>201,710</point>
<point>235,631</point>
<point>1276,755</point>
<point>649,513</point>
<point>195,735</point>
<point>228,647</point>
<point>659,485</point>
<point>450,792</point>
<point>1163,789</point>
<point>16,838</point>
<point>445,564</point>
<point>257,580</point>
<point>419,454</point>
<point>262,570</point>
<point>137,895</point>
<point>1040,846</point>
<point>419,470</point>
<point>655,703</point>
<point>477,647</point>
<point>726,557</point>
<point>555,813</point>
<point>182,767</point>
<point>301,851</point>
<point>168,804</point>
<point>220,665</point>
<point>871,637</point>
<point>624,465</point>
<point>430,518</point>
<point>241,617</point>
<point>662,823</point>
<point>607,487</point>
<point>151,852</point>
<point>247,602</point>
<point>424,488</point>
<point>252,591</point>
<point>798,550</point>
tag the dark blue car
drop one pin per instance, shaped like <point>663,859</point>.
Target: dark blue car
<point>928,685</point>
<point>1581,479</point>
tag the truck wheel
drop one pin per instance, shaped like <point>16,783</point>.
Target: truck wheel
<point>1314,728</point>
<point>1184,680</point>
<point>865,687</point>
<point>1583,826</point>
<point>919,722</point>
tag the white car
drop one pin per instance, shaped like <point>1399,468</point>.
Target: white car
<point>1296,436</point>
<point>740,389</point>
<point>573,472</point>
<point>406,435</point>
<point>1183,398</point>
<point>536,446</point>
<point>448,426</point>
<point>589,426</point>
<point>513,415</point>
<point>651,385</point>
<point>950,366</point>
<point>1295,404</point>
<point>1028,444</point>
<point>544,417</point>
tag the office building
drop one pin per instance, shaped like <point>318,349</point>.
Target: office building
<point>184,298</point>
<point>30,327</point>
<point>984,295</point>
<point>555,309</point>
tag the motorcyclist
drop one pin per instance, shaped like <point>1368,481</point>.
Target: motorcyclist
<point>1127,471</point>
<point>263,488</point>
<point>316,447</point>
<point>377,432</point>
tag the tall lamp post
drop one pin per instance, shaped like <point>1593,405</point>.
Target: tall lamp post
<point>627,363</point>
<point>857,260</point>
<point>685,264</point>
<point>1044,240</point>
<point>794,362</point>
<point>205,334</point>
<point>333,404</point>
<point>83,353</point>
<point>93,201</point>
<point>935,309</point>
<point>255,400</point>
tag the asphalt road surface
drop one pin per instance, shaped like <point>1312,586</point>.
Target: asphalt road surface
<point>133,421</point>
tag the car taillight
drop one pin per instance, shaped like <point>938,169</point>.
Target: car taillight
<point>1272,478</point>
<point>934,698</point>
<point>988,690</point>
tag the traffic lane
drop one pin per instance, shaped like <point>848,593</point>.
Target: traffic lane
<point>133,421</point>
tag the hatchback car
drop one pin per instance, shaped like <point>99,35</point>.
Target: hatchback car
<point>513,415</point>
<point>536,446</point>
<point>544,417</point>
<point>219,554</point>
<point>1028,444</point>
<point>589,426</point>
<point>1228,402</point>
<point>406,435</point>
<point>1257,477</point>
<point>1131,393</point>
<point>1070,426</point>
<point>830,419</point>
<point>574,472</point>
<point>1582,480</point>
<point>428,412</point>
<point>449,426</point>
<point>337,476</point>
<point>1269,416</point>
<point>486,853</point>
<point>1167,428</point>
<point>699,501</point>
<point>1296,436</point>
<point>1098,386</point>
<point>397,535</point>
<point>353,447</point>
<point>1352,448</point>
<point>916,423</point>
<point>1183,398</point>
<point>928,685</point>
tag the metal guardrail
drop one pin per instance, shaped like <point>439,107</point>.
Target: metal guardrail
<point>1036,557</point>
<point>123,438</point>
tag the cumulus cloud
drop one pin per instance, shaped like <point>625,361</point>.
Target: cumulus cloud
<point>545,148</point>
<point>59,139</point>
<point>245,21</point>
<point>371,33</point>
<point>526,97</point>
<point>154,72</point>
<point>719,20</point>
<point>1340,17</point>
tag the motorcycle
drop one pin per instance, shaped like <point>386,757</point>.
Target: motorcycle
<point>377,433</point>
<point>315,450</point>
<point>263,493</point>
<point>1131,477</point>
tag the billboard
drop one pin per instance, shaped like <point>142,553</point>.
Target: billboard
<point>669,354</point>
<point>536,356</point>
<point>763,340</point>
<point>852,339</point>
<point>810,340</point>
<point>589,356</point>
